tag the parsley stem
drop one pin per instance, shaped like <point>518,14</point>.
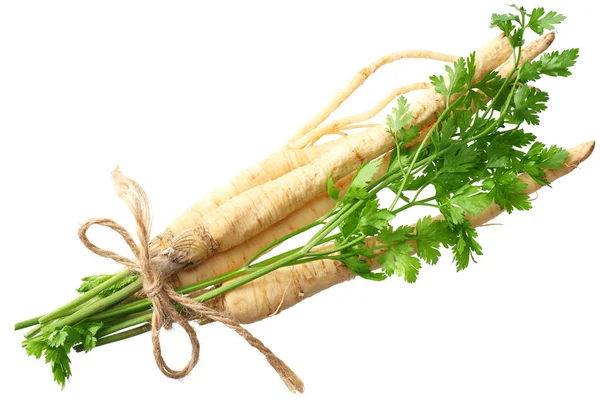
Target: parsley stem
<point>490,107</point>
<point>27,323</point>
<point>99,305</point>
<point>285,254</point>
<point>420,148</point>
<point>424,202</point>
<point>331,225</point>
<point>281,240</point>
<point>119,336</point>
<point>32,332</point>
<point>65,309</point>
<point>319,254</point>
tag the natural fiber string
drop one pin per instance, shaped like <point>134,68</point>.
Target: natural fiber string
<point>160,292</point>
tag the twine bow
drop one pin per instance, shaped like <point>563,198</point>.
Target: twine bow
<point>161,293</point>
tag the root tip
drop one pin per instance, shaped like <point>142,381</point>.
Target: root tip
<point>586,149</point>
<point>550,36</point>
<point>591,146</point>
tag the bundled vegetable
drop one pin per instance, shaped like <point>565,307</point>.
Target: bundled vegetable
<point>461,148</point>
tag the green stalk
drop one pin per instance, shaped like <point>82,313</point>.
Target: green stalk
<point>65,309</point>
<point>281,240</point>
<point>33,332</point>
<point>420,148</point>
<point>323,254</point>
<point>119,336</point>
<point>145,304</point>
<point>424,202</point>
<point>99,305</point>
<point>27,323</point>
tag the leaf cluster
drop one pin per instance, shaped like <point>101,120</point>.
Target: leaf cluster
<point>471,157</point>
<point>55,346</point>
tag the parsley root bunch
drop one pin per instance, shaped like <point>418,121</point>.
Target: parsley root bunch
<point>461,147</point>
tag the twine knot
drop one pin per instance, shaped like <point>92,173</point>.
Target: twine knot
<point>154,289</point>
<point>161,293</point>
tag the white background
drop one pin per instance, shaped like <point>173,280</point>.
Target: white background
<point>183,95</point>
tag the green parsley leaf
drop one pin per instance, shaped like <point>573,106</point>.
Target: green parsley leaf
<point>455,82</point>
<point>507,191</point>
<point>506,23</point>
<point>362,178</point>
<point>399,158</point>
<point>61,364</point>
<point>550,64</point>
<point>538,22</point>
<point>410,134</point>
<point>558,64</point>
<point>502,150</point>
<point>490,84</point>
<point>511,25</point>
<point>350,224</point>
<point>549,158</point>
<point>430,234</point>
<point>472,203</point>
<point>552,157</point>
<point>373,219</point>
<point>362,269</point>
<point>460,158</point>
<point>451,212</point>
<point>332,191</point>
<point>35,347</point>
<point>465,246</point>
<point>399,261</point>
<point>55,345</point>
<point>362,250</point>
<point>58,338</point>
<point>539,158</point>
<point>398,235</point>
<point>529,102</point>
<point>400,116</point>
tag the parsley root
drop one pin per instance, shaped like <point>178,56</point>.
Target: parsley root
<point>462,147</point>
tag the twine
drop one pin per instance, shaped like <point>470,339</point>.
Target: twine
<point>161,293</point>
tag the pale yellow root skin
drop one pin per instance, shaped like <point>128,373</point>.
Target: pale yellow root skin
<point>286,287</point>
<point>528,53</point>
<point>272,167</point>
<point>345,123</point>
<point>262,206</point>
<point>300,140</point>
<point>229,260</point>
